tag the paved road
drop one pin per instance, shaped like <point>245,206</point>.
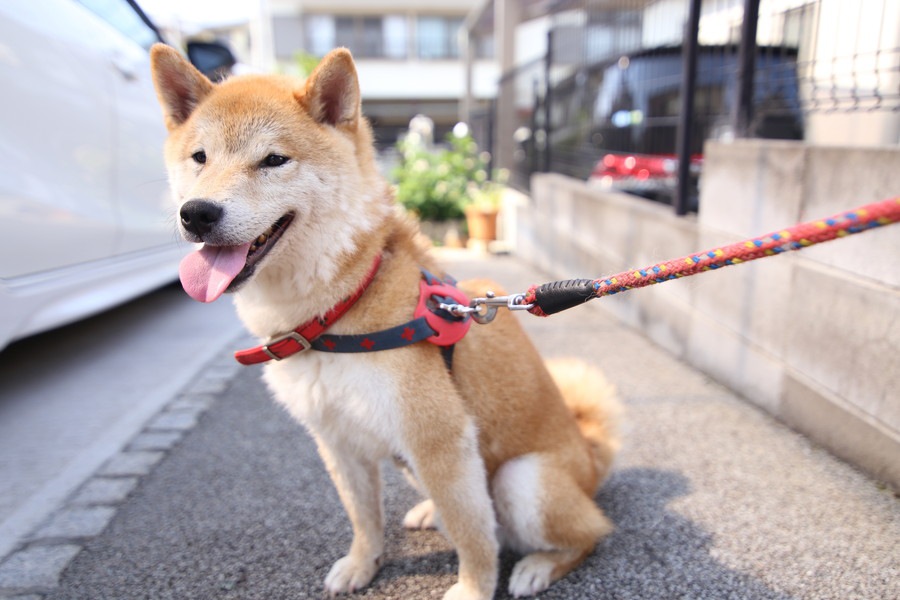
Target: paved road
<point>69,399</point>
<point>711,498</point>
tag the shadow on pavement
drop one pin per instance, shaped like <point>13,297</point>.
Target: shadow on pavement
<point>243,508</point>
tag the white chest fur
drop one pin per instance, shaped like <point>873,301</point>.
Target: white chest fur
<point>347,398</point>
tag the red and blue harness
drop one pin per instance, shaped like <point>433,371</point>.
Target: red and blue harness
<point>430,323</point>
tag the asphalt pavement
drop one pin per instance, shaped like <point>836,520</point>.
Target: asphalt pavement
<point>223,496</point>
<point>70,398</point>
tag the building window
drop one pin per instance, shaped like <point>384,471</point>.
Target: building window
<point>345,33</point>
<point>396,36</point>
<point>484,46</point>
<point>372,37</point>
<point>365,36</point>
<point>438,37</point>
<point>388,36</point>
<point>320,34</point>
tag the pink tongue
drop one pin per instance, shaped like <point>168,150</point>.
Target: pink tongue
<point>207,272</point>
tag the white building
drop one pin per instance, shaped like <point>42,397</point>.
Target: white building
<point>409,55</point>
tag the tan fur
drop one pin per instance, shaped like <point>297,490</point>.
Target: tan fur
<point>493,443</point>
<point>592,401</point>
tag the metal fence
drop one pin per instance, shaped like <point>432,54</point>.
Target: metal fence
<point>607,100</point>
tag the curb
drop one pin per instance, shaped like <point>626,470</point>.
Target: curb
<point>36,565</point>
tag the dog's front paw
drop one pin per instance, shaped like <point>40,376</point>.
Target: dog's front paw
<point>350,575</point>
<point>463,592</point>
<point>530,576</point>
<point>421,516</point>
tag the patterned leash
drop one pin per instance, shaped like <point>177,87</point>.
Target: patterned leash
<point>549,298</point>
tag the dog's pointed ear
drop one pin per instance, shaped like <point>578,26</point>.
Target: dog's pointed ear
<point>180,87</point>
<point>331,94</point>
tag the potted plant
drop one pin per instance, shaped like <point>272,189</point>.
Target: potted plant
<point>483,207</point>
<point>445,185</point>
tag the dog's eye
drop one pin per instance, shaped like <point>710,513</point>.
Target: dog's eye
<point>199,157</point>
<point>274,160</point>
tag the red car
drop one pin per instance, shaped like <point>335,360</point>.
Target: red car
<point>649,175</point>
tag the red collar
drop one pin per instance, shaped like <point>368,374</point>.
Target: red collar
<point>300,338</point>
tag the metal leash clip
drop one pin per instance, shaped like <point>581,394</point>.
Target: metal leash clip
<point>490,303</point>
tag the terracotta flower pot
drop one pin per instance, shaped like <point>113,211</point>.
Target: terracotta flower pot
<point>482,223</point>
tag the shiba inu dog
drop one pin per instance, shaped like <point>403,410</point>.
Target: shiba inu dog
<point>277,178</point>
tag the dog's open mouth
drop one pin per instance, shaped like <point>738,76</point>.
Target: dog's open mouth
<point>212,270</point>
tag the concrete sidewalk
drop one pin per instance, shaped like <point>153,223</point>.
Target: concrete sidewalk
<point>711,498</point>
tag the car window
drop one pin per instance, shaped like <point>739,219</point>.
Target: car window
<point>121,15</point>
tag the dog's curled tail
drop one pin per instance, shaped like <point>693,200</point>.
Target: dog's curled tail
<point>593,402</point>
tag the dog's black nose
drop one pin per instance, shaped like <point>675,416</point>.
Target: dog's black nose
<point>200,216</point>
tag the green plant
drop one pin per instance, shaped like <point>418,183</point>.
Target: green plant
<point>306,62</point>
<point>489,195</point>
<point>438,184</point>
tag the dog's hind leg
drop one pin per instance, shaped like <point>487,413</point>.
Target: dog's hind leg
<point>358,482</point>
<point>423,515</point>
<point>544,514</point>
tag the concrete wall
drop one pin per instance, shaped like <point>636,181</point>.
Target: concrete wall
<point>813,337</point>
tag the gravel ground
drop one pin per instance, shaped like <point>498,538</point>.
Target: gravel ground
<point>711,499</point>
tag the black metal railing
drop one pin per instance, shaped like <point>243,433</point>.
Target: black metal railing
<point>614,79</point>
